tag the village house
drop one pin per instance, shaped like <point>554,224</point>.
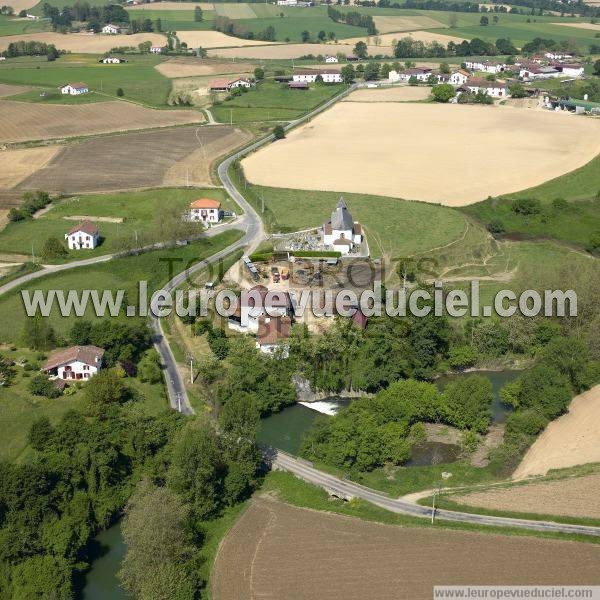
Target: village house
<point>310,75</point>
<point>226,85</point>
<point>156,49</point>
<point>496,89</point>
<point>458,77</point>
<point>557,56</point>
<point>259,302</point>
<point>331,59</point>
<point>2,58</point>
<point>112,60</point>
<point>74,89</point>
<point>77,362</point>
<point>538,72</point>
<point>205,210</point>
<point>568,69</point>
<point>111,29</point>
<point>421,73</point>
<point>272,335</point>
<point>83,236</point>
<point>342,233</point>
<point>487,66</point>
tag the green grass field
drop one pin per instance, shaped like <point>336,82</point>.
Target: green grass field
<point>121,274</point>
<point>271,101</point>
<point>175,20</point>
<point>145,214</point>
<point>16,26</point>
<point>138,77</point>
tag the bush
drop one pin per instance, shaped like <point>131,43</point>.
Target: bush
<point>526,206</point>
<point>279,132</point>
<point>120,92</point>
<point>496,227</point>
<point>443,92</point>
<point>462,357</point>
<point>53,248</point>
<point>40,385</point>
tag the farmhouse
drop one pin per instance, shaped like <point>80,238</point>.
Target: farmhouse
<point>538,72</point>
<point>331,59</point>
<point>341,232</point>
<point>74,89</point>
<point>497,89</point>
<point>458,77</point>
<point>568,69</point>
<point>85,235</point>
<point>273,332</point>
<point>156,49</point>
<point>111,29</point>
<point>77,362</point>
<point>310,75</point>
<point>557,56</point>
<point>112,60</point>
<point>205,210</point>
<point>225,85</point>
<point>421,73</point>
<point>259,302</point>
<point>487,66</point>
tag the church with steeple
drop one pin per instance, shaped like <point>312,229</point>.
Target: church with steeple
<point>342,233</point>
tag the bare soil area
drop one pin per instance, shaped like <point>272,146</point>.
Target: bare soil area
<point>85,43</point>
<point>570,440</point>
<point>197,67</point>
<point>283,51</point>
<point>571,497</point>
<point>592,26</point>
<point>405,93</point>
<point>23,121</point>
<point>16,165</point>
<point>169,157</point>
<point>11,90</point>
<point>394,149</point>
<point>214,39</point>
<point>279,551</point>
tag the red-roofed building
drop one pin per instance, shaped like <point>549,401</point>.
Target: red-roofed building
<point>77,362</point>
<point>205,210</point>
<point>226,85</point>
<point>259,302</point>
<point>273,333</point>
<point>83,236</point>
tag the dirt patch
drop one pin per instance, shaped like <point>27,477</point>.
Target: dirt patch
<point>94,218</point>
<point>197,67</point>
<point>393,148</point>
<point>283,51</point>
<point>392,24</point>
<point>16,165</point>
<point>214,39</point>
<point>592,26</point>
<point>572,497</point>
<point>172,6</point>
<point>85,43</point>
<point>137,160</point>
<point>23,121</point>
<point>280,551</point>
<point>570,440</point>
<point>393,94</point>
<point>11,90</point>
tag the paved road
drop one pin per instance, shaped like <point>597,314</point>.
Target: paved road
<point>347,489</point>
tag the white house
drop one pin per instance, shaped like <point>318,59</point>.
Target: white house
<point>225,85</point>
<point>496,89</point>
<point>111,60</point>
<point>342,232</point>
<point>205,210</point>
<point>310,75</point>
<point>569,69</point>
<point>156,49</point>
<point>74,89</point>
<point>458,77</point>
<point>487,66</point>
<point>111,29</point>
<point>77,362</point>
<point>83,236</point>
<point>2,58</point>
<point>272,335</point>
<point>331,59</point>
<point>538,72</point>
<point>287,2</point>
<point>557,55</point>
<point>258,303</point>
<point>421,73</point>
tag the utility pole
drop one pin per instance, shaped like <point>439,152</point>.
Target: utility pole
<point>190,357</point>
<point>32,254</point>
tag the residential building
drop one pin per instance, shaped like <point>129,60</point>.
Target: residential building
<point>496,89</point>
<point>328,75</point>
<point>225,85</point>
<point>112,60</point>
<point>259,302</point>
<point>458,77</point>
<point>341,232</point>
<point>83,236</point>
<point>557,56</point>
<point>74,89</point>
<point>205,210</point>
<point>74,363</point>
<point>421,73</point>
<point>487,66</point>
<point>331,59</point>
<point>569,69</point>
<point>111,29</point>
<point>272,335</point>
<point>538,72</point>
<point>156,49</point>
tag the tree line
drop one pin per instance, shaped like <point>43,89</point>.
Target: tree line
<point>352,18</point>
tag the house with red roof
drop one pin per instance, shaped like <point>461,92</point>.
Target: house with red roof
<point>226,85</point>
<point>205,210</point>
<point>273,335</point>
<point>83,236</point>
<point>74,363</point>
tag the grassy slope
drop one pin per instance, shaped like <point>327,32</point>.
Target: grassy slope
<point>122,274</point>
<point>175,20</point>
<point>140,210</point>
<point>16,26</point>
<point>138,78</point>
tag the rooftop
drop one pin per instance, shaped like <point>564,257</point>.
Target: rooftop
<point>90,355</point>
<point>205,203</point>
<point>86,227</point>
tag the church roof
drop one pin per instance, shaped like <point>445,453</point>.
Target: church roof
<point>341,219</point>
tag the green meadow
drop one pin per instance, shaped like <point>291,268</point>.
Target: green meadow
<point>175,20</point>
<point>16,26</point>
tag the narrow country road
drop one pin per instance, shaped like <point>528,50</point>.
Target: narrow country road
<point>347,489</point>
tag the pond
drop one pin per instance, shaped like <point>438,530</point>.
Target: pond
<point>101,581</point>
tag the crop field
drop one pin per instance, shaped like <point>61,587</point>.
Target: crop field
<point>130,214</point>
<point>21,121</point>
<point>16,165</point>
<point>570,440</point>
<point>167,157</point>
<point>405,93</point>
<point>138,78</point>
<point>279,551</point>
<point>443,139</point>
<point>168,6</point>
<point>11,90</point>
<point>215,39</point>
<point>281,51</point>
<point>570,497</point>
<point>198,67</point>
<point>235,11</point>
<point>386,24</point>
<point>19,5</point>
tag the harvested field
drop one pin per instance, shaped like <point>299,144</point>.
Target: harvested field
<point>279,551</point>
<point>19,5</point>
<point>214,39</point>
<point>198,67</point>
<point>526,148</point>
<point>11,90</point>
<point>405,93</point>
<point>172,6</point>
<point>392,24</point>
<point>592,26</point>
<point>85,43</point>
<point>387,40</point>
<point>20,121</point>
<point>16,165</point>
<point>571,497</point>
<point>283,51</point>
<point>570,440</point>
<point>235,11</point>
<point>137,160</point>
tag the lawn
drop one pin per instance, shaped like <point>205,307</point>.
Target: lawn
<point>574,222</point>
<point>138,78</point>
<point>144,215</point>
<point>271,101</point>
<point>175,20</point>
<point>156,268</point>
<point>16,26</point>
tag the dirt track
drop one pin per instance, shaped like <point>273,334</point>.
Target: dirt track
<point>277,551</point>
<point>430,152</point>
<point>573,439</point>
